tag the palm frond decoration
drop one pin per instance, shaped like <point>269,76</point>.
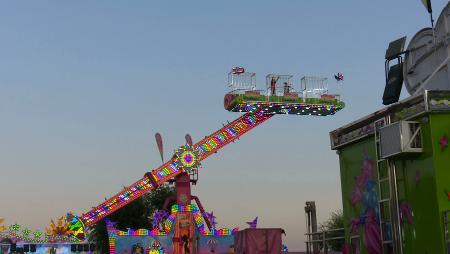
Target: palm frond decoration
<point>61,228</point>
<point>2,228</point>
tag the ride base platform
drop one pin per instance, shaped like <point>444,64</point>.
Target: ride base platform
<point>282,105</point>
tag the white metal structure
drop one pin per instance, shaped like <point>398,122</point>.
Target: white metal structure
<point>238,83</point>
<point>279,85</point>
<point>400,137</point>
<point>314,87</point>
<point>446,229</point>
<point>427,61</point>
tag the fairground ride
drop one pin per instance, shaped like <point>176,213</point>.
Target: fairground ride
<point>258,106</point>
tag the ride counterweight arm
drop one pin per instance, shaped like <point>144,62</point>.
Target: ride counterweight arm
<point>205,147</point>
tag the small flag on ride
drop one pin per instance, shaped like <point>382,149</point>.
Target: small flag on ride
<point>427,4</point>
<point>159,142</point>
<point>188,139</point>
<point>339,77</point>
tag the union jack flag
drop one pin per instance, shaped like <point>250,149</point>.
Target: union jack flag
<point>339,77</point>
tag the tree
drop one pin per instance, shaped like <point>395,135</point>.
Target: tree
<point>155,199</point>
<point>336,221</point>
<point>135,215</point>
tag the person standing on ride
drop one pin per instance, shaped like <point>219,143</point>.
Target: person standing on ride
<point>286,88</point>
<point>273,85</point>
<point>185,240</point>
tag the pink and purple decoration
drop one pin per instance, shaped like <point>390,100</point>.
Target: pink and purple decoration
<point>253,223</point>
<point>406,213</point>
<point>364,195</point>
<point>159,218</point>
<point>212,219</point>
<point>345,249</point>
<point>417,178</point>
<point>443,142</point>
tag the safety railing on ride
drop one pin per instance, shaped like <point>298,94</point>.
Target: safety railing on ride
<point>281,89</point>
<point>241,81</point>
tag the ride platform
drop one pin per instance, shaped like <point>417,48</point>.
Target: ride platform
<point>294,105</point>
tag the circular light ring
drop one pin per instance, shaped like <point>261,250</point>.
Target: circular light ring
<point>187,159</point>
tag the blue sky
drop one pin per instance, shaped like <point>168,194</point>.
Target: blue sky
<point>85,85</point>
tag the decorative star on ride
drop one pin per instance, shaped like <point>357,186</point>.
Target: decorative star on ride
<point>155,223</point>
<point>14,228</point>
<point>212,219</point>
<point>158,217</point>
<point>37,234</point>
<point>26,232</point>
<point>188,159</point>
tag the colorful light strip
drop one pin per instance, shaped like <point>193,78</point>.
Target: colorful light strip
<point>230,133</point>
<point>170,169</point>
<point>213,143</point>
<point>222,232</point>
<point>76,226</point>
<point>199,220</point>
<point>112,243</point>
<point>46,239</point>
<point>36,236</point>
<point>180,208</point>
<point>288,108</point>
<point>129,194</point>
<point>170,221</point>
<point>166,171</point>
<point>142,232</point>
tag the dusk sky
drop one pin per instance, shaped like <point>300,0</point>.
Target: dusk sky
<point>85,85</point>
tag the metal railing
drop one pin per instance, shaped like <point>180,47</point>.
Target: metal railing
<point>242,81</point>
<point>446,230</point>
<point>321,241</point>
